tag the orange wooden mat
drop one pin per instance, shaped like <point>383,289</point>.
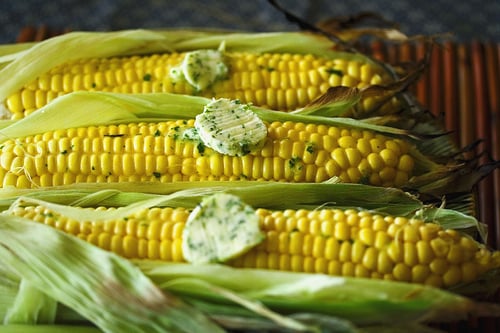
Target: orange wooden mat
<point>462,87</point>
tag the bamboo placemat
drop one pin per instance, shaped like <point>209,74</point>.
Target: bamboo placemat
<point>462,88</point>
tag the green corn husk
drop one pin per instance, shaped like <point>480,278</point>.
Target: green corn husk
<point>92,300</point>
<point>98,285</point>
<point>104,288</point>
<point>79,109</point>
<point>385,201</point>
<point>19,66</point>
<point>362,301</point>
<point>31,306</point>
<point>130,198</point>
<point>19,328</point>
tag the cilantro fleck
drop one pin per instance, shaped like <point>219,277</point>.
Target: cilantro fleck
<point>365,179</point>
<point>293,162</point>
<point>201,148</point>
<point>64,152</point>
<point>245,148</point>
<point>157,133</point>
<point>267,68</point>
<point>333,71</point>
<point>147,77</point>
<point>157,175</point>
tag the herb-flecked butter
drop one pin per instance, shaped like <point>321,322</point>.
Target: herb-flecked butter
<point>221,227</point>
<point>201,68</point>
<point>230,127</point>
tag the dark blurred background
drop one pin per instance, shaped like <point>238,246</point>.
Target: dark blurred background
<point>466,19</point>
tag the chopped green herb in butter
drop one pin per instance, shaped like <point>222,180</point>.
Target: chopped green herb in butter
<point>190,134</point>
<point>230,128</point>
<point>221,227</point>
<point>201,68</point>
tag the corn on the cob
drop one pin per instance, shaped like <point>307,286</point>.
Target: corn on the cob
<point>158,152</point>
<point>276,81</point>
<point>330,241</point>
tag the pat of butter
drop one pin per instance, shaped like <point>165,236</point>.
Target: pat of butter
<point>230,127</point>
<point>201,68</point>
<point>221,227</point>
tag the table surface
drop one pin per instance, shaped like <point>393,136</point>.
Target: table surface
<point>466,19</point>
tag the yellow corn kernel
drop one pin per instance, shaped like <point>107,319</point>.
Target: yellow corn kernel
<point>369,259</point>
<point>341,231</point>
<point>402,272</point>
<point>345,252</point>
<point>452,276</point>
<point>424,252</point>
<point>420,273</point>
